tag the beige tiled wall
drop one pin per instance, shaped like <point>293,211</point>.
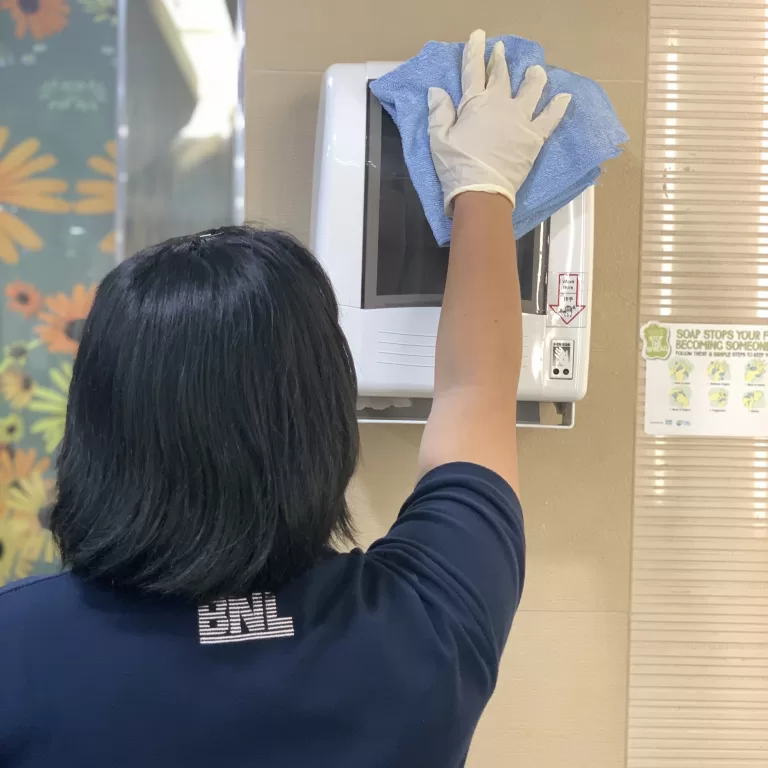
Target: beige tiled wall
<point>561,698</point>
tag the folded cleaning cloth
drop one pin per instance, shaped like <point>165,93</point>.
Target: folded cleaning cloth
<point>589,134</point>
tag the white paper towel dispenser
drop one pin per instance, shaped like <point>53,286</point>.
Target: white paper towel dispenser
<point>370,234</point>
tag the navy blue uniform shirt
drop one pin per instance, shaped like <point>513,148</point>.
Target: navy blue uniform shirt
<point>378,659</point>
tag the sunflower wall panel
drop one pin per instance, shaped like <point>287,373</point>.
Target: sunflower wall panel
<point>57,201</point>
<point>698,686</point>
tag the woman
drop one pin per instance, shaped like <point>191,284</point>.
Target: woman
<point>211,434</point>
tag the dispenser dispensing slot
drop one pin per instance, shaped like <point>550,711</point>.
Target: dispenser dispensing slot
<point>529,413</point>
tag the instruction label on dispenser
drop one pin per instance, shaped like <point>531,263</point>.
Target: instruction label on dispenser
<point>706,380</point>
<point>569,308</point>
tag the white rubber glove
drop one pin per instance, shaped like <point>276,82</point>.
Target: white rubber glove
<point>492,141</point>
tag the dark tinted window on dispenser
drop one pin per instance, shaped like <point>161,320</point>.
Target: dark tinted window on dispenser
<point>403,264</point>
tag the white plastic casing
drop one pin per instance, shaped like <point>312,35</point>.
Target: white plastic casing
<point>394,347</point>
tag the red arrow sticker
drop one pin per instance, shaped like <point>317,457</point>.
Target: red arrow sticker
<point>568,307</point>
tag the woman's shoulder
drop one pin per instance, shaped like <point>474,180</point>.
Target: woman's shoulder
<point>21,602</point>
<point>32,587</point>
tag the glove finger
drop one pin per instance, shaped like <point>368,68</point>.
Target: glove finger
<point>551,115</point>
<point>473,67</point>
<point>529,93</point>
<point>442,115</point>
<point>498,72</point>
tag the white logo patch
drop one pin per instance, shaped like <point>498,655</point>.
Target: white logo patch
<point>242,618</point>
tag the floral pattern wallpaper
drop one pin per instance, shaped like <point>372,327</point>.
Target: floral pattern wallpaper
<point>57,203</point>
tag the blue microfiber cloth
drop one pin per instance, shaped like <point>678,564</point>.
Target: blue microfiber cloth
<point>589,134</point>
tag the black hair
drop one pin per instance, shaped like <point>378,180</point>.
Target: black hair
<point>211,429</point>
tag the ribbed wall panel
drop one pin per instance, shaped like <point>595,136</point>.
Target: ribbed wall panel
<point>698,692</point>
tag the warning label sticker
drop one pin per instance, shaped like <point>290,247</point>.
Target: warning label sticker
<point>561,360</point>
<point>569,308</point>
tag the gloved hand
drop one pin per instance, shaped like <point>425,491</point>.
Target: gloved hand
<point>492,141</point>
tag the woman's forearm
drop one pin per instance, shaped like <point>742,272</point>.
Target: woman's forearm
<point>480,338</point>
<point>478,354</point>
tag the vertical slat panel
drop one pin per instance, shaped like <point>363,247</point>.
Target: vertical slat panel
<point>698,693</point>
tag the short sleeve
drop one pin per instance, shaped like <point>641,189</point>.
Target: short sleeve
<point>460,540</point>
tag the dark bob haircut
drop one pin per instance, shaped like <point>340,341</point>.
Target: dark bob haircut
<point>211,429</point>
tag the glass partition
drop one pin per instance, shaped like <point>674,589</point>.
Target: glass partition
<point>180,119</point>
